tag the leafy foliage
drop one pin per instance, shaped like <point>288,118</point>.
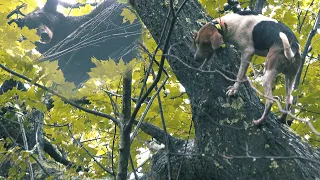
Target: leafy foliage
<point>65,124</point>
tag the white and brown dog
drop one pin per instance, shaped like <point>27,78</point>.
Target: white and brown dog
<point>252,33</point>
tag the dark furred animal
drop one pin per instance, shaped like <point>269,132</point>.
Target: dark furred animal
<point>263,39</point>
<point>254,34</point>
<point>101,34</point>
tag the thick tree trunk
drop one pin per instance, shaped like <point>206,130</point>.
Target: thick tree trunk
<point>223,126</point>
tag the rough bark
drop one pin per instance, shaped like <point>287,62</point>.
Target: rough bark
<point>259,6</point>
<point>124,149</point>
<point>222,125</point>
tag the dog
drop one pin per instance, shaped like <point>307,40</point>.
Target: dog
<point>252,33</point>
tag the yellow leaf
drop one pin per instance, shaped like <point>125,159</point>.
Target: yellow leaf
<point>3,18</point>
<point>66,88</point>
<point>52,73</point>
<point>128,15</point>
<point>122,66</point>
<point>25,154</point>
<point>27,45</point>
<point>30,34</point>
<point>106,68</point>
<point>101,152</point>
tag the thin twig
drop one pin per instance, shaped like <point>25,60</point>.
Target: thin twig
<point>164,129</point>
<point>41,166</point>
<point>304,18</point>
<point>307,68</point>
<point>166,134</point>
<point>114,105</point>
<point>133,169</point>
<point>25,144</point>
<point>77,5</point>
<point>17,11</point>
<point>305,50</point>
<point>119,95</point>
<point>135,132</point>
<point>6,132</point>
<point>284,111</point>
<point>153,57</point>
<point>165,49</point>
<point>145,49</point>
<point>142,164</point>
<point>112,150</point>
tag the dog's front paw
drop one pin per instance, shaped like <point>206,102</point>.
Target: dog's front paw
<point>232,91</point>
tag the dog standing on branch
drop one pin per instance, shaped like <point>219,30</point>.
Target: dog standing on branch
<point>252,33</point>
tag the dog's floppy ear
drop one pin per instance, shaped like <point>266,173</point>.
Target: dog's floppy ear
<point>216,40</point>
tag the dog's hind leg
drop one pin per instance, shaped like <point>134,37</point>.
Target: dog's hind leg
<point>290,78</point>
<point>268,79</point>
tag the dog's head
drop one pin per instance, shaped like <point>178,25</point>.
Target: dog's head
<point>207,40</point>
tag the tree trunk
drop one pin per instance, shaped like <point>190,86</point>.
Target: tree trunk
<point>222,125</point>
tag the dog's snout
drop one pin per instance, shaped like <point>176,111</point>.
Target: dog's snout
<point>200,56</point>
<point>197,57</point>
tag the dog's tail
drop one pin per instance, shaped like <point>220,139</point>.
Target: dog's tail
<point>286,45</point>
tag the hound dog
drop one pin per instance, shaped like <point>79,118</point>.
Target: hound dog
<point>252,33</point>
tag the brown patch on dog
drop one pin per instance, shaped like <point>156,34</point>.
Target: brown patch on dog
<point>216,41</point>
<point>207,40</point>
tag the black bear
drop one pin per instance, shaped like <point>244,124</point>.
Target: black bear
<point>73,40</point>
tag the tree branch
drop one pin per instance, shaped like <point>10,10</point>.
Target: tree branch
<point>39,163</point>
<point>304,17</point>
<point>54,154</point>
<point>126,126</point>
<point>61,96</point>
<point>165,49</point>
<point>306,49</point>
<point>160,135</point>
<point>259,6</point>
<point>77,5</point>
<point>25,145</point>
<point>162,121</point>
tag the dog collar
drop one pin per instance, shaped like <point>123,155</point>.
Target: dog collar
<point>220,30</point>
<point>218,26</point>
